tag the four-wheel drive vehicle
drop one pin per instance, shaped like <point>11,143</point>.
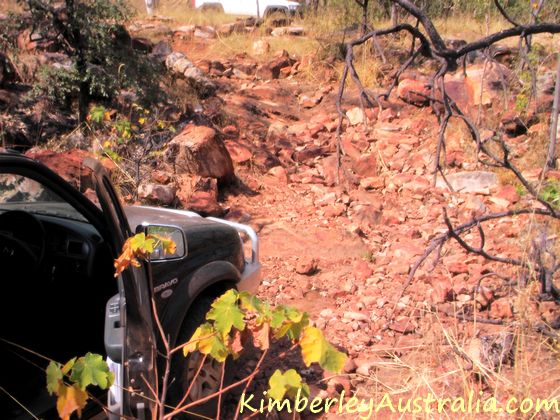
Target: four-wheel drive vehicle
<point>257,8</point>
<point>60,299</point>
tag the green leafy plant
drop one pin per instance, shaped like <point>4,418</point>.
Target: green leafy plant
<point>69,382</point>
<point>232,314</point>
<point>125,136</point>
<point>551,193</point>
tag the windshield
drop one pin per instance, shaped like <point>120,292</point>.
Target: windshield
<point>21,193</point>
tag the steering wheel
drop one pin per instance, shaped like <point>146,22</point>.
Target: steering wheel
<point>22,242</point>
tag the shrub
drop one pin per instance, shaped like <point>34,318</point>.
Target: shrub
<point>90,32</point>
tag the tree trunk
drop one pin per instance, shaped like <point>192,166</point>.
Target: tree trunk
<point>365,16</point>
<point>394,15</point>
<point>551,159</point>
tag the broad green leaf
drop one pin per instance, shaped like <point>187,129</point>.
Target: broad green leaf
<point>278,317</point>
<point>142,243</point>
<point>294,315</point>
<point>92,370</point>
<point>291,329</point>
<point>288,383</point>
<point>207,341</point>
<point>54,377</point>
<point>97,114</point>
<point>70,399</point>
<point>316,349</point>
<point>249,302</point>
<point>226,313</point>
<point>202,332</point>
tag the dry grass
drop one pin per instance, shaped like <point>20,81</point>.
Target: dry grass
<point>446,364</point>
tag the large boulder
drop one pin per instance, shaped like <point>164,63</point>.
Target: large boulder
<point>199,151</point>
<point>157,193</point>
<point>485,84</point>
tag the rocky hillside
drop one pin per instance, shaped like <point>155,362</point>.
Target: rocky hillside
<point>259,145</point>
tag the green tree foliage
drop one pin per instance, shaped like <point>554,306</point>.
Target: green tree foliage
<point>92,34</point>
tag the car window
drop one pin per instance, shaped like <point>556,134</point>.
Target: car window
<point>18,192</point>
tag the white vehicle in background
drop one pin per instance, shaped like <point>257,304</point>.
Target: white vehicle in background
<point>256,8</point>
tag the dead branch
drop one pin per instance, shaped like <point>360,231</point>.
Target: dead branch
<point>433,47</point>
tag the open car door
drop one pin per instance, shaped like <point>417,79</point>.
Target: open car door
<point>129,332</point>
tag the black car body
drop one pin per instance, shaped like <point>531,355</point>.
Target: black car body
<point>60,298</point>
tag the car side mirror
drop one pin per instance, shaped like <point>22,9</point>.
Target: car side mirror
<point>168,232</point>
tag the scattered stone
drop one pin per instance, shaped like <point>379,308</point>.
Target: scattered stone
<point>310,101</point>
<point>306,266</point>
<point>501,308</point>
<point>366,166</point>
<point>414,92</point>
<point>356,116</point>
<point>280,174</point>
<point>470,182</point>
<point>261,47</point>
<point>356,316</point>
<point>403,325</point>
<point>157,193</point>
<point>273,68</point>
<point>292,31</point>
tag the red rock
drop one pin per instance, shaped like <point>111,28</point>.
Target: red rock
<point>414,92</point>
<point>441,290</point>
<point>335,210</point>
<point>161,177</point>
<point>204,203</point>
<point>418,184</point>
<point>349,148</point>
<point>392,217</point>
<point>238,152</point>
<point>68,165</point>
<point>509,193</point>
<point>273,69</point>
<point>373,183</point>
<point>230,130</point>
<point>330,170</point>
<point>365,165</point>
<point>403,326</point>
<point>307,154</point>
<point>362,271</point>
<point>306,266</point>
<point>198,151</point>
<point>501,308</point>
<point>280,174</point>
<point>458,268</point>
<point>157,193</point>
<point>387,115</point>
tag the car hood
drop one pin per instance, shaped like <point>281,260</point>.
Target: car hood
<point>138,215</point>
